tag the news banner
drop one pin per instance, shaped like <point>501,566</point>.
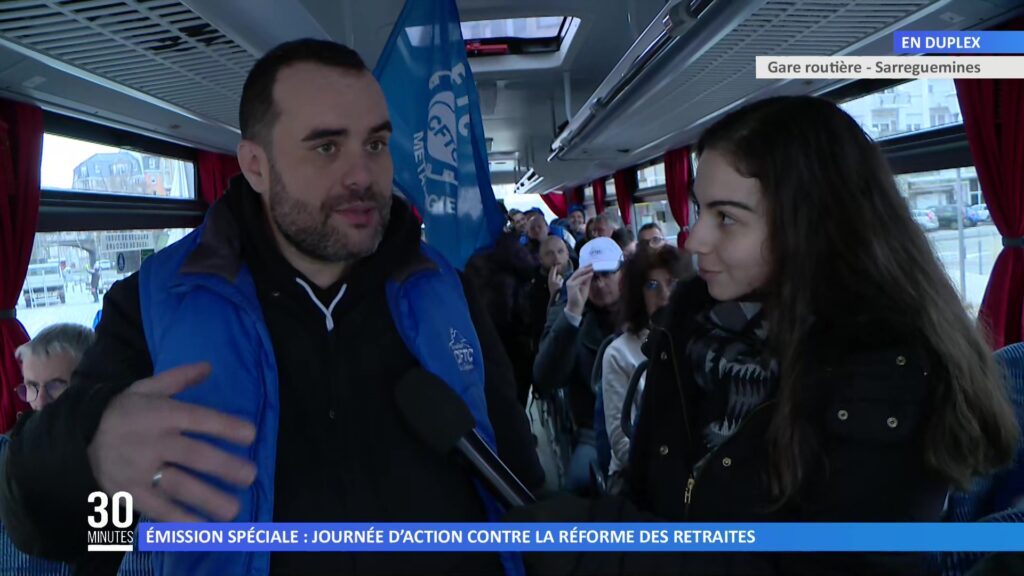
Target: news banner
<point>593,537</point>
<point>111,531</point>
<point>916,55</point>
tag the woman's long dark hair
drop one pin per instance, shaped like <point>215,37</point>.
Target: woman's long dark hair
<point>633,310</point>
<point>841,242</point>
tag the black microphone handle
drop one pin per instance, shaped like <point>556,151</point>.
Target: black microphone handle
<point>493,471</point>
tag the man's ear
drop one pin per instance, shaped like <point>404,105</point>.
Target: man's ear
<point>255,165</point>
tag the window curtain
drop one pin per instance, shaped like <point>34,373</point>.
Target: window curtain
<point>678,174</point>
<point>576,197</point>
<point>600,191</point>
<point>993,113</point>
<point>215,173</point>
<point>557,203</point>
<point>21,148</point>
<point>625,186</point>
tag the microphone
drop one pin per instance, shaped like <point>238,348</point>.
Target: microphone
<point>442,420</point>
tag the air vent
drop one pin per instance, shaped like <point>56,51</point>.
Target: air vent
<point>696,80</point>
<point>158,47</point>
<point>790,27</point>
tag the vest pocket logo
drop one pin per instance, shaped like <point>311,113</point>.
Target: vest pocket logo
<point>461,350</point>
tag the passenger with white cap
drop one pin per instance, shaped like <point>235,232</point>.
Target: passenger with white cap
<point>572,336</point>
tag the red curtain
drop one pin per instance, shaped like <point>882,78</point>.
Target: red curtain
<point>215,172</point>
<point>625,186</point>
<point>677,188</point>
<point>21,148</point>
<point>599,193</point>
<point>993,112</point>
<point>557,203</point>
<point>576,197</point>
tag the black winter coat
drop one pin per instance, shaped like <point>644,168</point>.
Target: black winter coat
<point>873,386</point>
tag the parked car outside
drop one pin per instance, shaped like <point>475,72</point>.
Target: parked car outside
<point>925,219</point>
<point>982,213</point>
<point>947,216</point>
<point>44,285</point>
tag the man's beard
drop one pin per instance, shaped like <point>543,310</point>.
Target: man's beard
<point>308,228</point>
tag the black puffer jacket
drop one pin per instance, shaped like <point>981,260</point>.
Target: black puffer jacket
<point>567,356</point>
<point>873,391</point>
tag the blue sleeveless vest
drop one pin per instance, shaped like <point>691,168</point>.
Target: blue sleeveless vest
<point>191,315</point>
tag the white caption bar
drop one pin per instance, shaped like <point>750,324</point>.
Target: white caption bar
<point>836,67</point>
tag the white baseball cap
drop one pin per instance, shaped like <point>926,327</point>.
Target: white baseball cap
<point>603,253</point>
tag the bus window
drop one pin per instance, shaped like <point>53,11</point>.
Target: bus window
<point>71,271</point>
<point>907,108</point>
<point>70,164</point>
<point>948,206</point>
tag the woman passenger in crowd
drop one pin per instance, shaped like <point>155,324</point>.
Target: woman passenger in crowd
<point>647,282</point>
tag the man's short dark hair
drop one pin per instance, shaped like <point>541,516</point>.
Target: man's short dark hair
<point>623,237</point>
<point>257,113</point>
<point>651,226</point>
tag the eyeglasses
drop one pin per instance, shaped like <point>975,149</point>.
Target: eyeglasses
<point>655,241</point>
<point>29,391</point>
<point>655,285</point>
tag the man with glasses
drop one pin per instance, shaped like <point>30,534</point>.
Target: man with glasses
<point>48,360</point>
<point>651,236</point>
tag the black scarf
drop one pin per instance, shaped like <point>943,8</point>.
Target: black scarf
<point>731,367</point>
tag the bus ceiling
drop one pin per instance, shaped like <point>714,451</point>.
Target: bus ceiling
<point>570,90</point>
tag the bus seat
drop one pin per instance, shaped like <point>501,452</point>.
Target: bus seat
<point>998,497</point>
<point>961,563</point>
<point>1004,489</point>
<point>1008,491</point>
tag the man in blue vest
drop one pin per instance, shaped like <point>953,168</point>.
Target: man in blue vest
<point>247,372</point>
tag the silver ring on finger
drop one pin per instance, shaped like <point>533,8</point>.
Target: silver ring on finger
<point>157,477</point>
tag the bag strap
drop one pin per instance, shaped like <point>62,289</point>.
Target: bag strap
<point>627,403</point>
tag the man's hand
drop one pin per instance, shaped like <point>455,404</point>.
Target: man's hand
<point>142,432</point>
<point>555,281</point>
<point>578,288</point>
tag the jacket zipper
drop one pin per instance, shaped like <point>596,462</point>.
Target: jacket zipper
<point>691,482</point>
<point>689,491</point>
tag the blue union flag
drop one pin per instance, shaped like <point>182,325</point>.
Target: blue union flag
<point>438,146</point>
